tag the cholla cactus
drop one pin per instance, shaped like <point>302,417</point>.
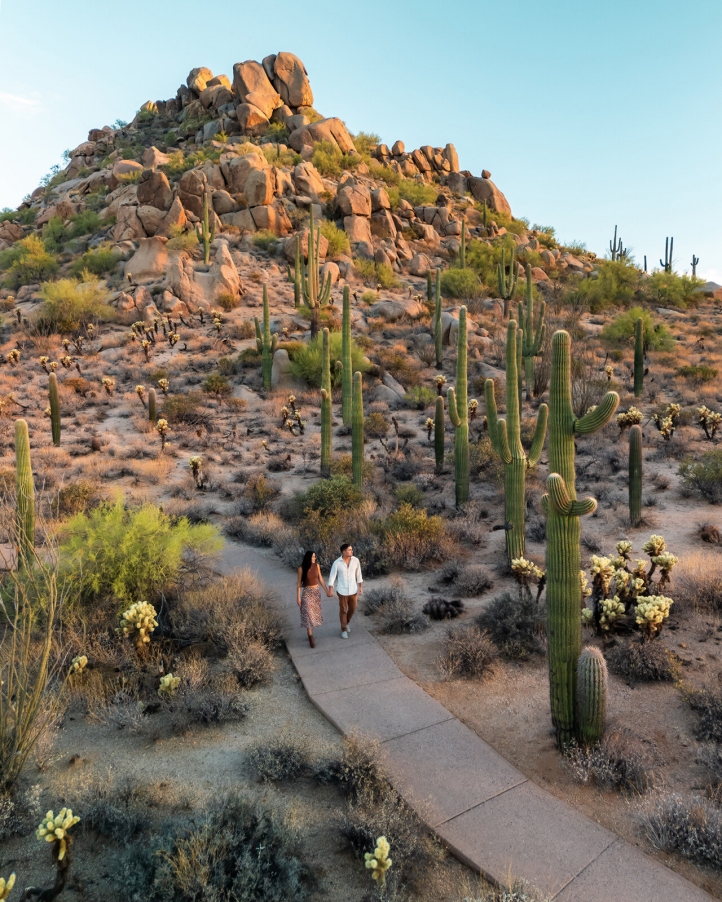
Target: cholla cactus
<point>609,372</point>
<point>633,417</point>
<point>654,545</point>
<point>162,429</point>
<point>108,383</point>
<point>440,382</point>
<point>624,549</point>
<point>78,665</point>
<point>146,345</point>
<point>163,385</point>
<point>13,356</point>
<point>378,861</point>
<point>612,609</point>
<point>140,391</point>
<point>429,427</point>
<point>53,365</point>
<point>54,829</point>
<point>473,406</point>
<point>6,886</point>
<point>666,422</point>
<point>173,338</point>
<point>602,572</point>
<point>652,612</point>
<point>709,421</point>
<point>66,344</point>
<point>168,685</point>
<point>292,402</point>
<point>525,571</point>
<point>284,414</point>
<point>196,465</point>
<point>67,361</point>
<point>44,363</point>
<point>138,622</point>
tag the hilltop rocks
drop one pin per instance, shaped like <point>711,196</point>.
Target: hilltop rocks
<point>358,230</point>
<point>485,191</point>
<point>152,158</point>
<point>237,170</point>
<point>154,190</point>
<point>10,232</point>
<point>251,120</point>
<point>149,262</point>
<point>354,200</point>
<point>308,181</point>
<point>425,161</point>
<point>252,86</point>
<point>331,130</point>
<point>174,219</point>
<point>198,79</point>
<point>291,79</point>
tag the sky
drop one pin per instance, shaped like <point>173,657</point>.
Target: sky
<point>588,115</point>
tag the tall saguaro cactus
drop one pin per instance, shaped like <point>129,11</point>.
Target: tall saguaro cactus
<point>459,414</point>
<point>152,406</point>
<point>296,277</point>
<point>54,407</point>
<point>357,431</point>
<point>533,336</point>
<point>615,246</point>
<point>506,439</point>
<point>206,232</point>
<point>316,289</point>
<point>638,357</point>
<point>462,248</point>
<point>635,475</point>
<point>507,285</point>
<point>666,264</point>
<point>265,343</point>
<point>563,557</point>
<point>439,434</point>
<point>326,411</point>
<point>438,330</point>
<point>591,695</point>
<point>695,261</point>
<point>25,495</point>
<point>346,374</point>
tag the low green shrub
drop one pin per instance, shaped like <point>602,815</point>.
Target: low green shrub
<point>337,239</point>
<point>657,336</point>
<point>25,216</point>
<point>97,262</point>
<point>329,497</point>
<point>364,141</point>
<point>385,174</point>
<point>705,475</point>
<point>671,290</point>
<point>27,261</point>
<point>468,652</point>
<point>306,362</point>
<point>698,373</point>
<point>70,304</point>
<point>411,538</point>
<point>419,397</point>
<point>280,759</point>
<point>460,283</point>
<point>265,239</point>
<point>330,161</point>
<point>85,223</point>
<point>515,624</point>
<point>217,384</point>
<point>409,494</point>
<point>416,193</point>
<point>617,284</point>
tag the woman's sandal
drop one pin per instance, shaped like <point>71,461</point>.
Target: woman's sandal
<point>311,641</point>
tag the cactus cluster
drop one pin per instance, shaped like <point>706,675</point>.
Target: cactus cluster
<point>459,414</point>
<point>168,685</point>
<point>506,440</point>
<point>666,422</point>
<point>666,264</point>
<point>78,665</point>
<point>709,421</point>
<point>631,417</point>
<point>138,622</point>
<point>378,861</point>
<point>532,336</point>
<point>308,281</point>
<point>54,828</point>
<point>265,343</point>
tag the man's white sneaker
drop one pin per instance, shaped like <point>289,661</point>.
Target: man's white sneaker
<point>344,634</point>
<point>348,629</point>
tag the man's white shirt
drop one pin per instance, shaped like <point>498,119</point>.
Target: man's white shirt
<point>345,578</point>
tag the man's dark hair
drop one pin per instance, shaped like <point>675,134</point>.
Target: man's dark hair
<point>345,546</point>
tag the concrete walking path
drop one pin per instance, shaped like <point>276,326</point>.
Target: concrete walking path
<point>486,812</point>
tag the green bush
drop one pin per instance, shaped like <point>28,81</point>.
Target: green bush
<point>384,174</point>
<point>27,261</point>
<point>705,475</point>
<point>657,336</point>
<point>132,555</point>
<point>265,239</point>
<point>381,273</point>
<point>217,384</point>
<point>54,234</point>
<point>460,283</point>
<point>417,193</point>
<point>306,362</point>
<point>330,161</point>
<point>411,538</point>
<point>698,373</point>
<point>617,284</point>
<point>86,223</point>
<point>484,258</point>
<point>409,494</point>
<point>25,216</point>
<point>670,290</point>
<point>70,304</point>
<point>364,141</point>
<point>337,238</point>
<point>98,262</point>
<point>420,397</point>
<point>329,496</point>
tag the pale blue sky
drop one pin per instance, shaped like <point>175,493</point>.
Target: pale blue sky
<point>587,114</point>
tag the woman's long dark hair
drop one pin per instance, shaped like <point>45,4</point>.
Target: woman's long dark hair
<point>306,566</point>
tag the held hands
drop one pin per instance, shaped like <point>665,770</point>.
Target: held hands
<point>329,592</point>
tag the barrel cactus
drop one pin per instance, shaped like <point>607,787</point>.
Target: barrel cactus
<point>54,407</point>
<point>591,696</point>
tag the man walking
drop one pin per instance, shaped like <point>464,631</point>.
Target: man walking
<point>346,577</point>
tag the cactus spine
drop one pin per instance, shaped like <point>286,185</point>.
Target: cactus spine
<point>462,249</point>
<point>459,415</point>
<point>206,233</point>
<point>316,290</point>
<point>635,475</point>
<point>439,433</point>
<point>438,331</point>
<point>591,696</point>
<point>326,412</point>
<point>638,357</point>
<point>506,439</point>
<point>264,342</point>
<point>25,495</point>
<point>507,285</point>
<point>695,261</point>
<point>54,407</point>
<point>357,431</point>
<point>346,374</point>
<point>152,411</point>
<point>666,264</point>
<point>530,346</point>
<point>563,556</point>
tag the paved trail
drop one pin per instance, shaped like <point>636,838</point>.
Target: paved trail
<point>486,811</point>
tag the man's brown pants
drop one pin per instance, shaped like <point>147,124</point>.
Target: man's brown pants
<point>346,608</point>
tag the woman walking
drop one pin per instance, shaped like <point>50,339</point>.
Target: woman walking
<point>309,594</point>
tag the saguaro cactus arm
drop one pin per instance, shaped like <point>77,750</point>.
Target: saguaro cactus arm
<point>593,420</point>
<point>537,443</point>
<point>563,502</point>
<point>497,427</point>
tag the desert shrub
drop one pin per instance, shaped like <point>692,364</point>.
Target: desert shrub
<point>468,652</point>
<point>698,373</point>
<point>690,826</point>
<point>27,261</point>
<point>698,585</point>
<point>484,461</point>
<point>25,216</point>
<point>385,174</point>
<point>643,661</point>
<point>54,234</point>
<point>704,476</point>
<point>707,705</point>
<point>399,617</point>
<point>357,772</point>
<point>86,222</point>
<point>657,336</point>
<point>412,538</point>
<point>112,812</point>
<point>617,762</point>
<point>280,759</point>
<point>416,193</point>
<point>262,528</point>
<point>217,384</point>
<point>343,466</point>
<point>460,283</point>
<point>329,497</point>
<point>70,304</point>
<point>227,301</point>
<point>182,241</point>
<point>710,758</point>
<point>514,891</point>
<point>265,239</point>
<point>419,397</point>
<point>306,362</point>
<point>337,239</point>
<point>380,274</point>
<point>364,141</point>
<point>376,425</point>
<point>249,357</point>
<point>473,580</point>
<point>260,492</point>
<point>240,850</point>
<point>672,290</point>
<point>469,526</point>
<point>376,599</point>
<point>98,262</point>
<point>74,498</point>
<point>183,409</point>
<point>331,161</point>
<point>409,494</point>
<point>616,285</point>
<point>515,624</point>
<point>133,555</point>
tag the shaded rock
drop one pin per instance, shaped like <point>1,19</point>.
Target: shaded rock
<point>250,78</point>
<point>128,226</point>
<point>281,370</point>
<point>331,269</point>
<point>386,395</point>
<point>450,155</point>
<point>149,262</point>
<point>308,181</point>
<point>173,220</point>
<point>151,218</point>
<point>223,202</point>
<point>251,120</point>
<point>236,170</point>
<point>354,200</point>
<point>273,218</point>
<point>485,191</point>
<point>259,187</point>
<point>538,274</point>
<point>457,184</point>
<point>332,130</point>
<point>291,80</point>
<point>190,191</point>
<point>214,96</point>
<point>419,265</point>
<point>202,289</point>
<point>241,219</point>
<point>389,381</point>
<point>547,257</point>
<point>296,121</point>
<point>153,158</point>
<point>382,225</point>
<point>380,200</point>
<point>154,190</point>
<point>125,167</point>
<point>358,230</point>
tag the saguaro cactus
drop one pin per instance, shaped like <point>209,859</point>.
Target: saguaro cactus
<point>532,336</point>
<point>666,264</point>
<point>326,412</point>
<point>507,285</point>
<point>152,410</point>
<point>459,415</point>
<point>439,433</point>
<point>264,342</point>
<point>506,439</point>
<point>635,475</point>
<point>346,374</point>
<point>638,357</point>
<point>357,431</point>
<point>316,290</point>
<point>25,495</point>
<point>54,407</point>
<point>615,246</point>
<point>591,695</point>
<point>462,249</point>
<point>295,279</point>
<point>695,261</point>
<point>206,232</point>
<point>563,557</point>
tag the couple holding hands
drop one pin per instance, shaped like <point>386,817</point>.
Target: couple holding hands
<point>345,576</point>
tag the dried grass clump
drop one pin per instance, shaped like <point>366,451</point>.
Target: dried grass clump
<point>516,624</point>
<point>358,772</point>
<point>285,757</point>
<point>643,661</point>
<point>617,762</point>
<point>398,616</point>
<point>698,583</point>
<point>468,653</point>
<point>690,826</point>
